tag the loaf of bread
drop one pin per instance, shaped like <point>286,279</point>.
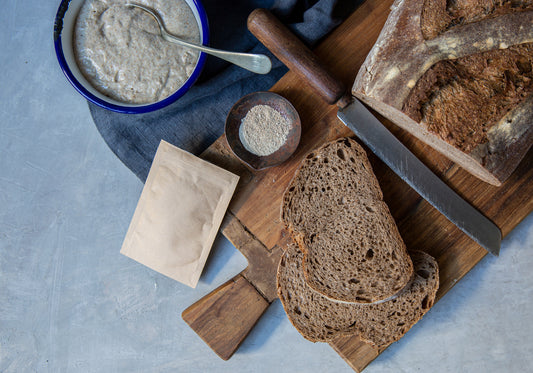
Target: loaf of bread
<point>458,75</point>
<point>319,318</point>
<point>335,211</point>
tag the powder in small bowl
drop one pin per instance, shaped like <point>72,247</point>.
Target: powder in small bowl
<point>263,130</point>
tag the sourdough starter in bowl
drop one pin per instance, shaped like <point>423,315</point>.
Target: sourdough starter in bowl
<point>120,51</point>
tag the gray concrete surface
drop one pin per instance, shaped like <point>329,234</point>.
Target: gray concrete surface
<point>69,302</point>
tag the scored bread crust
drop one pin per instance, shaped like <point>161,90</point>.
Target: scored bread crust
<point>335,211</point>
<point>319,319</point>
<point>457,75</point>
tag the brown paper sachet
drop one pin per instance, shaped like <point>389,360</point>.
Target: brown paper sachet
<point>179,213</point>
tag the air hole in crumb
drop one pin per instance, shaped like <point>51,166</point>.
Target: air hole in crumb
<point>423,273</point>
<point>369,254</point>
<point>347,143</point>
<point>311,155</point>
<point>297,310</point>
<point>353,281</point>
<point>369,209</point>
<point>326,160</point>
<point>291,189</point>
<point>352,160</point>
<point>400,324</point>
<point>340,154</point>
<point>426,303</point>
<point>350,251</point>
<point>362,299</point>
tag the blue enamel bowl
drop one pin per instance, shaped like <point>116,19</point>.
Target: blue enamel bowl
<point>63,42</point>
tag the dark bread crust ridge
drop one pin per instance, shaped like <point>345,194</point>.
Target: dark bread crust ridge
<point>418,37</point>
<point>335,211</point>
<point>319,319</point>
<point>439,16</point>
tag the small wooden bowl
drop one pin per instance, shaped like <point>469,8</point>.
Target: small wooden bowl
<point>239,111</point>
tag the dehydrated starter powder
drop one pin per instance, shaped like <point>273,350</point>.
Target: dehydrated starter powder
<point>263,130</point>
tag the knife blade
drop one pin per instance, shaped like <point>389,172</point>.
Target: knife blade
<point>299,59</point>
<point>415,173</point>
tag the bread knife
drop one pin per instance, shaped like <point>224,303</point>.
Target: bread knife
<point>299,59</point>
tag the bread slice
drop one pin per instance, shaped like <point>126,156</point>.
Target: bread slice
<point>334,208</point>
<point>318,318</point>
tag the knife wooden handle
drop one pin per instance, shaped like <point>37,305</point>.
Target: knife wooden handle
<point>294,54</point>
<point>224,317</point>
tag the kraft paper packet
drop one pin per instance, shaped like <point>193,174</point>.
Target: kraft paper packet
<point>179,213</point>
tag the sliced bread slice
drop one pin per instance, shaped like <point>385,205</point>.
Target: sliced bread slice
<point>320,319</point>
<point>335,211</point>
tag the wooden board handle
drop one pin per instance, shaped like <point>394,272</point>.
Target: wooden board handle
<point>294,54</point>
<point>224,317</point>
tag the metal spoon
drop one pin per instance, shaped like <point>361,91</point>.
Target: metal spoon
<point>257,63</point>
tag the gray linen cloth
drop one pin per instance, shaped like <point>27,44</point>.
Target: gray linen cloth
<point>197,119</point>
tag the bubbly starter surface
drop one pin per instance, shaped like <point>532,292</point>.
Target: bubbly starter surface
<point>120,51</point>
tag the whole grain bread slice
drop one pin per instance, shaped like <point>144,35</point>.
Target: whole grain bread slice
<point>335,211</point>
<point>319,319</point>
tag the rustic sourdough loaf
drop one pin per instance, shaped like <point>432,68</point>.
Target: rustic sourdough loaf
<point>318,318</point>
<point>335,211</point>
<point>459,76</point>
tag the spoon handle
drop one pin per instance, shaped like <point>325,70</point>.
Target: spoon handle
<point>257,63</point>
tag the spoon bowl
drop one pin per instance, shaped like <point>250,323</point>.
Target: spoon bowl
<point>257,63</point>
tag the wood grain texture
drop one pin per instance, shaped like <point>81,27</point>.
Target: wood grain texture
<point>262,263</point>
<point>225,317</point>
<point>295,55</point>
<point>257,201</point>
<point>355,352</point>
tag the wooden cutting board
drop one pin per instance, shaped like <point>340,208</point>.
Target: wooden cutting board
<point>224,317</point>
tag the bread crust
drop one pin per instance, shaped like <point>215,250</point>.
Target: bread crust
<point>407,49</point>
